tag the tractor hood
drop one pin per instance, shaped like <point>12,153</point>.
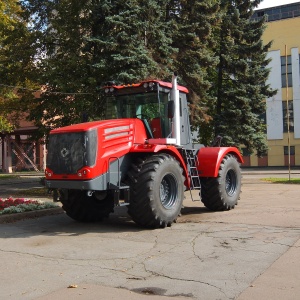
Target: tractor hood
<point>92,145</point>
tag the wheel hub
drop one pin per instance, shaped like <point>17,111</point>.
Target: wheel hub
<point>231,183</point>
<point>168,191</point>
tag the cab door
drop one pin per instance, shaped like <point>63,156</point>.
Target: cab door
<point>185,136</point>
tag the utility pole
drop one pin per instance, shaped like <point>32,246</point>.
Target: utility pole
<point>288,112</point>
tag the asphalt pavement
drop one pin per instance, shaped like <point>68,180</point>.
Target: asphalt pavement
<point>28,180</point>
<point>251,252</point>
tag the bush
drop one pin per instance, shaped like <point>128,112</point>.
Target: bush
<point>10,205</point>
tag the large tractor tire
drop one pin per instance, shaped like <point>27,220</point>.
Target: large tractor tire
<point>223,192</point>
<point>83,208</point>
<point>157,188</point>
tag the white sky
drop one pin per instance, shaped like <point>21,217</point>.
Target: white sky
<point>272,3</point>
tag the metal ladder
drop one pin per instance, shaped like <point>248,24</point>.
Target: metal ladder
<point>191,160</point>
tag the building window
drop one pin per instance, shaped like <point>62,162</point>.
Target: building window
<point>279,12</point>
<point>286,71</point>
<point>289,160</point>
<point>288,116</point>
<point>292,150</point>
<point>260,14</point>
<point>263,118</point>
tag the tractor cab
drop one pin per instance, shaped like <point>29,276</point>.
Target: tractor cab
<point>155,104</point>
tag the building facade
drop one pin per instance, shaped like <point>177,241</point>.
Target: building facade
<point>283,109</point>
<point>18,152</point>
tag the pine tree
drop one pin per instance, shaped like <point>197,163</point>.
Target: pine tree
<point>85,44</point>
<point>79,46</point>
<point>194,39</point>
<point>134,39</point>
<point>242,74</point>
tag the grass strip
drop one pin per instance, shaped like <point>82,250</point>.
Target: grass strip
<point>282,180</point>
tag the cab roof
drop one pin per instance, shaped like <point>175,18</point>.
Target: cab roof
<point>161,83</point>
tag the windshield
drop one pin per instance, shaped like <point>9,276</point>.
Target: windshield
<point>151,107</point>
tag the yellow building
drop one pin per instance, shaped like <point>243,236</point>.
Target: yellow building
<point>283,109</point>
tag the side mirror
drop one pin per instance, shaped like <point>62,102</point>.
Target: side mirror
<point>171,109</point>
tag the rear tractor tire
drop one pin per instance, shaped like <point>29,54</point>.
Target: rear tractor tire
<point>157,187</point>
<point>223,192</point>
<point>83,208</point>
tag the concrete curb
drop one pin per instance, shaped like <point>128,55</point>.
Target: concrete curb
<point>10,218</point>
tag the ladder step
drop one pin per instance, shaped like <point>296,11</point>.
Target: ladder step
<point>192,162</point>
<point>124,187</point>
<point>118,187</point>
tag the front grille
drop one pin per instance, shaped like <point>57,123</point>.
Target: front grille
<point>69,152</point>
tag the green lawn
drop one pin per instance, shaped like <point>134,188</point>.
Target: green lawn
<point>7,176</point>
<point>35,192</point>
<point>283,180</point>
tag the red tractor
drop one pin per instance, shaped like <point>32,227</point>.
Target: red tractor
<point>142,156</point>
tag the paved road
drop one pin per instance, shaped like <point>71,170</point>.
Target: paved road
<point>251,252</point>
<point>14,187</point>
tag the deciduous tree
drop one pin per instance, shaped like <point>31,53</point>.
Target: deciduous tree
<point>16,60</point>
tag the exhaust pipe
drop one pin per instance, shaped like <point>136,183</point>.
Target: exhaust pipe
<point>176,119</point>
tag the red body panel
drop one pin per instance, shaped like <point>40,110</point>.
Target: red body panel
<point>210,159</point>
<point>115,139</point>
<point>155,126</point>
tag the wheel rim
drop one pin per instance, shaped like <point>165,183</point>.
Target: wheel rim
<point>231,182</point>
<point>168,191</point>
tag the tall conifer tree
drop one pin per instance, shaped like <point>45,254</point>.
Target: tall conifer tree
<point>81,45</point>
<point>88,43</point>
<point>194,39</point>
<point>241,82</point>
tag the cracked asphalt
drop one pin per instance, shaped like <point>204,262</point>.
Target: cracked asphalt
<point>251,252</point>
